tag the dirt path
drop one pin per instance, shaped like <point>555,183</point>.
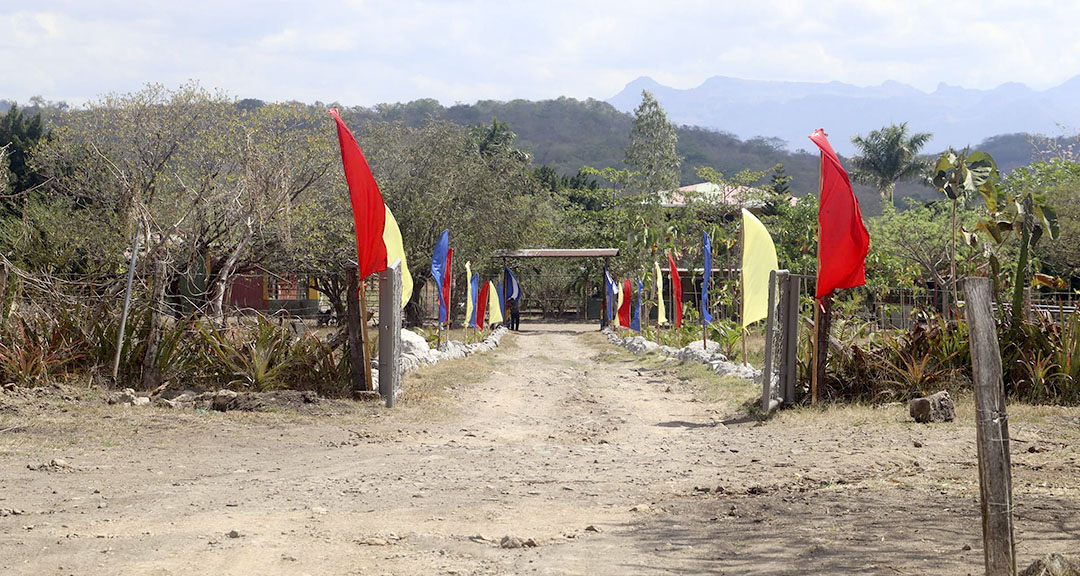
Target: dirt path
<point>607,463</point>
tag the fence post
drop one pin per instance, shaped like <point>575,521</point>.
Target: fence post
<point>770,326</point>
<point>992,431</point>
<point>790,375</point>
<point>353,326</point>
<point>151,375</point>
<point>3,290</point>
<point>390,332</point>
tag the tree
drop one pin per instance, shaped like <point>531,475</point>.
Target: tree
<point>779,183</point>
<point>888,156</point>
<point>19,134</point>
<point>652,150</point>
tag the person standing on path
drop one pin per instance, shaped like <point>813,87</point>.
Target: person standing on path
<point>515,314</point>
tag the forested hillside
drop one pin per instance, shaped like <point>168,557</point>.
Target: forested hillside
<point>567,134</point>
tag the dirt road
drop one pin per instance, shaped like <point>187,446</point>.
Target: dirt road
<point>591,460</point>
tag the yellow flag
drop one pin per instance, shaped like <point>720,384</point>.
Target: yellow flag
<point>661,313</point>
<point>494,311</point>
<point>468,297</point>
<point>395,249</point>
<point>758,259</point>
<point>618,305</point>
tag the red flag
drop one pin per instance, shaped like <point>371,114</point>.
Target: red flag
<point>624,310</point>
<point>369,212</point>
<point>446,284</point>
<point>843,241</point>
<point>676,286</point>
<point>481,305</point>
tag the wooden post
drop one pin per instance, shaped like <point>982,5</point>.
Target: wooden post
<point>390,332</point>
<point>364,336</point>
<point>3,290</point>
<point>791,336</point>
<point>354,325</point>
<point>151,376</point>
<point>992,431</point>
<point>766,369</point>
<point>822,323</point>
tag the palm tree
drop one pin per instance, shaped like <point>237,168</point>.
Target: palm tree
<point>888,156</point>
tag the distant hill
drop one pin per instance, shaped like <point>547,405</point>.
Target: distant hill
<point>957,117</point>
<point>567,134</point>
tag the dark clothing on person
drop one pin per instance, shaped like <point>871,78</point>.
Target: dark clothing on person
<point>515,314</point>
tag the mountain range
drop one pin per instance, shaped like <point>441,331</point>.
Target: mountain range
<point>957,117</point>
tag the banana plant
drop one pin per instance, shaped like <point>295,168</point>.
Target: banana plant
<point>962,175</point>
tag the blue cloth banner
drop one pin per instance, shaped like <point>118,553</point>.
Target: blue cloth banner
<point>474,287</point>
<point>438,269</point>
<point>705,316</point>
<point>635,320</point>
<point>612,291</point>
<point>513,288</point>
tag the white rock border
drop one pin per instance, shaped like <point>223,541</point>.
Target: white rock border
<point>694,352</point>
<point>415,351</point>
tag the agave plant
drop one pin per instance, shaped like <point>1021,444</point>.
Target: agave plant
<point>258,358</point>
<point>35,352</point>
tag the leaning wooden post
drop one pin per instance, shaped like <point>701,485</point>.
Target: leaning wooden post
<point>992,431</point>
<point>390,332</point>
<point>770,324</point>
<point>3,290</point>
<point>364,336</point>
<point>353,324</point>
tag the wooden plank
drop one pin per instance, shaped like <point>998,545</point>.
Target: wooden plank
<point>770,326</point>
<point>353,326</point>
<point>992,431</point>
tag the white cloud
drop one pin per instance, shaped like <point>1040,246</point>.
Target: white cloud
<point>369,51</point>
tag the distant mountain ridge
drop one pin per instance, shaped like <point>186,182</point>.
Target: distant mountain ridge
<point>956,116</point>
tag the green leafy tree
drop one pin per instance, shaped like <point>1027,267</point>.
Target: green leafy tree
<point>888,156</point>
<point>652,150</point>
<point>18,135</point>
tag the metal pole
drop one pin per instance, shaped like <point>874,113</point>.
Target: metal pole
<point>390,332</point>
<point>127,300</point>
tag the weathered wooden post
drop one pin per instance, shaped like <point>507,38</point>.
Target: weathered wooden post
<point>3,290</point>
<point>390,332</point>
<point>992,431</point>
<point>770,325</point>
<point>789,296</point>
<point>353,324</point>
<point>151,375</point>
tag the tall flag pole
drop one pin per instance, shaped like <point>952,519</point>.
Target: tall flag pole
<point>661,312</point>
<point>611,290</point>
<point>758,260</point>
<point>843,243</point>
<point>470,300</point>
<point>705,316</point>
<point>676,290</point>
<point>369,220</point>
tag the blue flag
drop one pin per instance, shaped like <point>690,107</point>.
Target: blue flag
<point>635,320</point>
<point>474,287</point>
<point>513,288</point>
<point>612,290</point>
<point>705,316</point>
<point>438,269</point>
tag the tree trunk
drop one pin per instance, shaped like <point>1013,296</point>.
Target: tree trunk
<point>221,282</point>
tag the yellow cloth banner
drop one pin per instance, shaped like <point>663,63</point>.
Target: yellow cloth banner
<point>758,259</point>
<point>494,311</point>
<point>661,313</point>
<point>395,249</point>
<point>618,305</point>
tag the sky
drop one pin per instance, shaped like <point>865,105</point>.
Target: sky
<point>364,52</point>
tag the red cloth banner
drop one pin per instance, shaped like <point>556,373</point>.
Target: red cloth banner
<point>676,287</point>
<point>481,305</point>
<point>843,241</point>
<point>446,284</point>
<point>369,212</point>
<point>624,310</point>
